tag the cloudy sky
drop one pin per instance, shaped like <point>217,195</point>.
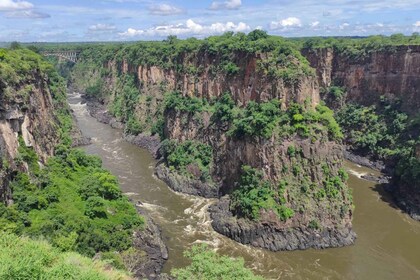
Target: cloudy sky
<point>115,20</point>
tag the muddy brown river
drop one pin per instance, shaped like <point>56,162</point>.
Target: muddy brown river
<point>388,244</point>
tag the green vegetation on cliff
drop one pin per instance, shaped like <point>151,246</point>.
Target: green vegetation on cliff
<point>256,194</point>
<point>358,48</point>
<point>24,259</point>
<point>190,158</point>
<point>384,132</point>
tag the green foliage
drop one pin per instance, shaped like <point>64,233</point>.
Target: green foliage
<point>74,204</point>
<point>230,68</point>
<point>257,119</point>
<point>158,127</point>
<point>176,101</point>
<point>133,127</point>
<point>207,264</point>
<point>96,89</point>
<point>360,48</point>
<point>223,109</point>
<point>22,258</point>
<point>190,158</point>
<point>126,98</point>
<point>378,131</point>
<point>255,194</point>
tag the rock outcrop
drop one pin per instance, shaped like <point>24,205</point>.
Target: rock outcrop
<point>29,116</point>
<point>275,237</point>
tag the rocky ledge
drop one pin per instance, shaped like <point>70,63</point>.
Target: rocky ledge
<point>276,239</point>
<point>407,199</point>
<point>150,241</point>
<point>186,185</point>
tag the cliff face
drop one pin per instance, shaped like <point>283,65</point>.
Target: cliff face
<point>251,82</point>
<point>27,111</point>
<point>393,73</point>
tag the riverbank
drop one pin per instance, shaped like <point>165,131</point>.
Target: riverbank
<point>149,240</point>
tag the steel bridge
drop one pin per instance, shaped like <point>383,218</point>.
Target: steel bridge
<point>72,56</point>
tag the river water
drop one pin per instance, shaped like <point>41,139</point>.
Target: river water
<point>388,244</point>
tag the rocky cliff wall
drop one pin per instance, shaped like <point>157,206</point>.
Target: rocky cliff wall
<point>27,111</point>
<point>200,76</point>
<point>394,73</point>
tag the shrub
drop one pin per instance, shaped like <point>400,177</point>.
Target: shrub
<point>188,156</point>
<point>206,264</point>
<point>255,194</point>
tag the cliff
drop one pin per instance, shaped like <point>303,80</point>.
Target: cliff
<point>393,73</point>
<point>260,112</point>
<point>27,110</point>
<point>387,78</point>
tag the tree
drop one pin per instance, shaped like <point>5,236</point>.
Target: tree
<point>15,45</point>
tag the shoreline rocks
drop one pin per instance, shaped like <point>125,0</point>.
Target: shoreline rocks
<point>185,185</point>
<point>150,241</point>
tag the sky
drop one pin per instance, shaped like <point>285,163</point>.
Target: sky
<point>129,20</point>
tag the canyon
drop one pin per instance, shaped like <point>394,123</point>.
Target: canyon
<point>247,131</point>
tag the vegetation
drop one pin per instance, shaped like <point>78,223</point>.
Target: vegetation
<point>71,202</point>
<point>206,264</point>
<point>376,130</point>
<point>84,210</point>
<point>359,48</point>
<point>190,158</point>
<point>22,258</point>
<point>255,195</point>
<point>386,133</point>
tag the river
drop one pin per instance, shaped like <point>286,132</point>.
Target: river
<point>388,244</point>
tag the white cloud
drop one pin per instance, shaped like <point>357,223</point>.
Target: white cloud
<point>26,14</point>
<point>164,10</point>
<point>10,5</point>
<point>344,25</point>
<point>190,28</point>
<point>285,23</point>
<point>417,24</point>
<point>226,5</point>
<point>314,24</point>
<point>101,27</point>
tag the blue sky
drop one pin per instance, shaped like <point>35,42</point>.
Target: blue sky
<point>115,20</point>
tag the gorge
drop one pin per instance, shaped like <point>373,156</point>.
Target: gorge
<point>240,125</point>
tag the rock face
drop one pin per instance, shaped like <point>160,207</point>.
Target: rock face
<point>393,73</point>
<point>250,83</point>
<point>273,237</point>
<point>31,117</point>
<point>150,241</point>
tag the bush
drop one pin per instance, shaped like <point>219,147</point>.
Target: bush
<point>190,158</point>
<point>255,194</point>
<point>206,264</point>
